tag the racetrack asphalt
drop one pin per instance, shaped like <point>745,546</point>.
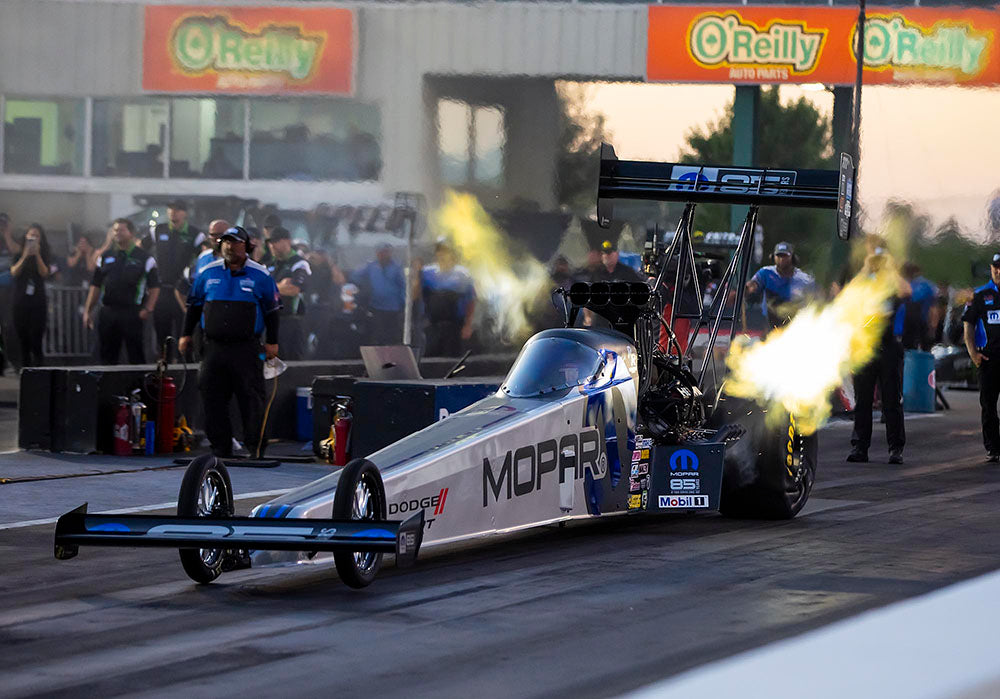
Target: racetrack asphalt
<point>589,610</point>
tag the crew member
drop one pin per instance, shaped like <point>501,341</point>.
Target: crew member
<point>612,269</point>
<point>981,320</point>
<point>207,256</point>
<point>886,370</point>
<point>782,283</point>
<point>123,274</point>
<point>234,300</point>
<point>291,273</point>
<point>449,303</point>
<point>175,245</point>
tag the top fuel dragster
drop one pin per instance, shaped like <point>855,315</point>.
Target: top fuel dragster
<point>590,421</point>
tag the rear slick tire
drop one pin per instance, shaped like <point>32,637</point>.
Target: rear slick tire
<point>783,473</point>
<point>206,491</point>
<point>360,496</point>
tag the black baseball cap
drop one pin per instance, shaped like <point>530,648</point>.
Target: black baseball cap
<point>996,260</point>
<point>177,205</point>
<point>279,233</point>
<point>784,248</point>
<point>236,233</point>
<point>608,246</point>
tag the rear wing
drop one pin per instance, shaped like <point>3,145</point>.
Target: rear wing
<point>718,184</point>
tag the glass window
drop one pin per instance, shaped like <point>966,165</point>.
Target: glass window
<point>129,137</point>
<point>206,138</point>
<point>470,144</point>
<point>551,364</point>
<point>314,139</point>
<point>43,137</point>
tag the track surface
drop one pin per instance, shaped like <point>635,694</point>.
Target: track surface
<point>588,610</point>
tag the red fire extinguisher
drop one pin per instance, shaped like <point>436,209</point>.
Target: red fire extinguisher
<point>163,391</point>
<point>342,420</point>
<point>166,391</point>
<point>121,442</point>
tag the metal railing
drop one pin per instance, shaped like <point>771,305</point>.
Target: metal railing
<point>65,333</point>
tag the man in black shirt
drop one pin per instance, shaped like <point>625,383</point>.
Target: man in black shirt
<point>291,273</point>
<point>611,269</point>
<point>175,245</point>
<point>124,273</point>
<point>982,340</point>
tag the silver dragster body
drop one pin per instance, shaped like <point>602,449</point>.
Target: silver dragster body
<point>553,444</point>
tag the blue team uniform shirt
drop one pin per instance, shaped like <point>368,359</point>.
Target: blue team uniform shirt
<point>385,287</point>
<point>206,258</point>
<point>447,294</point>
<point>232,299</point>
<point>783,289</point>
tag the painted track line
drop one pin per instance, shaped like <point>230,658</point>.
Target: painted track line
<point>942,644</point>
<point>141,508</point>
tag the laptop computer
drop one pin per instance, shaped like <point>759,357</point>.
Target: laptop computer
<point>390,362</point>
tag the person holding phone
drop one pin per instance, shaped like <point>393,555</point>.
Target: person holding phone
<point>29,311</point>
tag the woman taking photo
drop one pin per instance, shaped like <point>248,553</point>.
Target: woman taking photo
<point>30,272</point>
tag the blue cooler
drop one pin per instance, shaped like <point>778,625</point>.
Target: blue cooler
<point>303,414</point>
<point>918,382</point>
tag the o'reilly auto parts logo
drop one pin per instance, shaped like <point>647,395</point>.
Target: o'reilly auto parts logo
<point>203,43</point>
<point>717,40</point>
<point>894,42</point>
<point>682,502</point>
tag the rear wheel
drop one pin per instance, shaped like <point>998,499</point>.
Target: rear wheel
<point>770,470</point>
<point>360,496</point>
<point>206,491</point>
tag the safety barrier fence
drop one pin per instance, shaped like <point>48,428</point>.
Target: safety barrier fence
<point>66,335</point>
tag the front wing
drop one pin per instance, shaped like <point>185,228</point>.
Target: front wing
<point>77,528</point>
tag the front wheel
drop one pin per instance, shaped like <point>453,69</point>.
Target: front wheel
<point>360,496</point>
<point>206,491</point>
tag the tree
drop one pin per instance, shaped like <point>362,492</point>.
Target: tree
<point>793,135</point>
<point>581,133</point>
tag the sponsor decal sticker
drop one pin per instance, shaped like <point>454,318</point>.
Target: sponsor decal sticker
<point>685,485</point>
<point>523,470</point>
<point>634,502</point>
<point>993,317</point>
<point>683,460</point>
<point>410,505</point>
<point>682,502</point>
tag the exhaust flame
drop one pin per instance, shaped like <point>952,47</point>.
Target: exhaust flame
<point>798,366</point>
<point>509,286</point>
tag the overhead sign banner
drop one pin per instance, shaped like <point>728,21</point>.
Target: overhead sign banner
<point>248,50</point>
<point>779,44</point>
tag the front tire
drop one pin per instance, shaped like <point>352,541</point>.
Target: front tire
<point>360,496</point>
<point>206,491</point>
<point>770,471</point>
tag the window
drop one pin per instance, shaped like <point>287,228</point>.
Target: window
<point>314,139</point>
<point>43,137</point>
<point>550,364</point>
<point>206,138</point>
<point>470,144</point>
<point>129,137</point>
